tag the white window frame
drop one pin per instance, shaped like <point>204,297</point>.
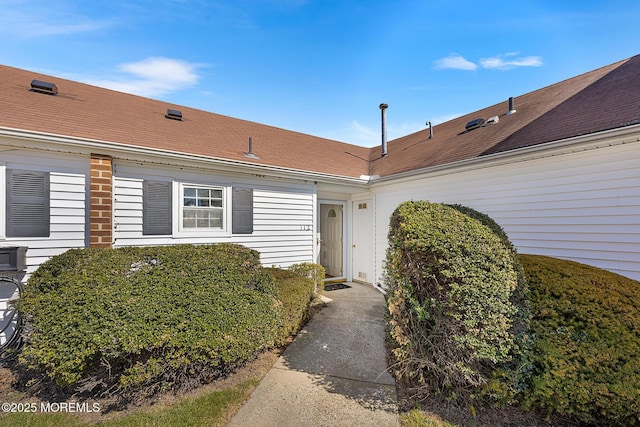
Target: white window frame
<point>195,232</point>
<point>3,201</point>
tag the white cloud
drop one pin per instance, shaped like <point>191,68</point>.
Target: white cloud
<point>445,118</point>
<point>360,134</point>
<point>152,77</point>
<point>455,62</point>
<point>34,19</point>
<point>509,61</point>
<point>502,62</point>
<point>370,136</point>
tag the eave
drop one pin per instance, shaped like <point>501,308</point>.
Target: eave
<point>608,138</point>
<point>20,138</point>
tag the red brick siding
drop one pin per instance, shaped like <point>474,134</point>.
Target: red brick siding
<point>101,202</point>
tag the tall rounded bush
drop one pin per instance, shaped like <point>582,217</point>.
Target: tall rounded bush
<point>451,281</point>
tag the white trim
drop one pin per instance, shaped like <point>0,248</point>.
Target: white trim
<point>199,232</point>
<point>122,151</point>
<point>609,138</point>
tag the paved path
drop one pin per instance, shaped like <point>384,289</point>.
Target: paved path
<point>333,374</point>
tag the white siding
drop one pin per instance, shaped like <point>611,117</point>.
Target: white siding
<point>283,215</point>
<point>582,206</point>
<point>68,182</point>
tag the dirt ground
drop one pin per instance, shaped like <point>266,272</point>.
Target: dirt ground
<point>257,368</point>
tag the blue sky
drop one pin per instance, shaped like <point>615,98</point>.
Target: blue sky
<point>321,67</point>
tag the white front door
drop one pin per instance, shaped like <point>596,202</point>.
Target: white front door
<point>362,248</point>
<point>331,251</point>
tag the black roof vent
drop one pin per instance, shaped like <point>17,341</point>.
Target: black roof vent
<point>173,114</point>
<point>44,87</point>
<point>474,124</point>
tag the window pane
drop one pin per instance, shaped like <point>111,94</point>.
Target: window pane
<point>216,219</point>
<point>202,208</point>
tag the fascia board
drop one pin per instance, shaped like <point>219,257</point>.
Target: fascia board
<point>74,145</point>
<point>625,135</point>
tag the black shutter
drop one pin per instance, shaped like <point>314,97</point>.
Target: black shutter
<point>156,207</point>
<point>242,211</point>
<point>28,204</point>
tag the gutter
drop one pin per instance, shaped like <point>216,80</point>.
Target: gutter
<point>608,138</point>
<point>119,151</point>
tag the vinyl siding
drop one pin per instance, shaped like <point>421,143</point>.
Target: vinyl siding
<point>282,215</point>
<point>68,178</point>
<point>582,206</point>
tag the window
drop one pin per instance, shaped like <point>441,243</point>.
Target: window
<point>27,198</point>
<point>216,209</point>
<point>202,207</point>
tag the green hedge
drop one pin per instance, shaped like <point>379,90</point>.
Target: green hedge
<point>451,283</point>
<point>134,321</point>
<point>587,348</point>
<point>516,372</point>
<point>296,290</point>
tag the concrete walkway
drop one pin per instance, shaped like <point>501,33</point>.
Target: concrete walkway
<point>334,373</point>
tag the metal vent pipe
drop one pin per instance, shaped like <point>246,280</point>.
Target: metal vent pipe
<point>511,106</point>
<point>383,107</point>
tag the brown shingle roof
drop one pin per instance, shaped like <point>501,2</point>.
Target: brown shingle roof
<point>603,99</point>
<point>85,111</point>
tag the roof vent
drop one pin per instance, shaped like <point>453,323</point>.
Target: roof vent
<point>512,108</point>
<point>44,87</point>
<point>173,114</point>
<point>493,120</point>
<point>474,124</point>
<point>250,153</point>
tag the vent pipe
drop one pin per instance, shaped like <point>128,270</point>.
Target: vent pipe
<point>383,107</point>
<point>511,106</point>
<point>430,130</point>
<point>250,154</point>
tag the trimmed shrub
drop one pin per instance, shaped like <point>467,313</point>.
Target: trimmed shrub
<point>296,291</point>
<point>450,284</point>
<point>518,370</point>
<point>313,271</point>
<point>586,323</point>
<point>134,321</point>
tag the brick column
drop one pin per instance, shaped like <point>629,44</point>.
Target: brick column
<point>101,202</point>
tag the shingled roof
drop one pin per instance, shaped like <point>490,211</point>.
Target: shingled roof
<point>603,99</point>
<point>90,112</point>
